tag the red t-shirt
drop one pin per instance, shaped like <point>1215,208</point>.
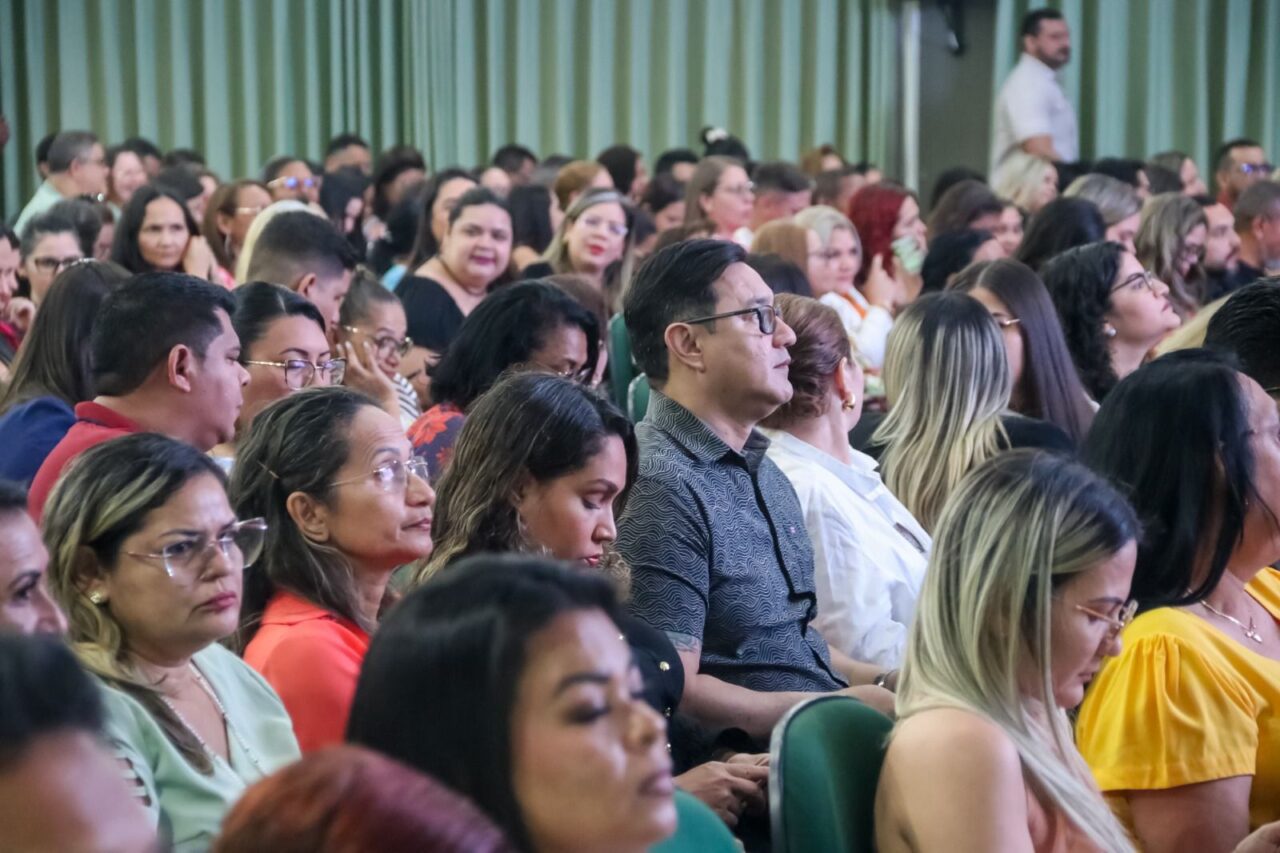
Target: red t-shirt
<point>94,425</point>
<point>311,657</point>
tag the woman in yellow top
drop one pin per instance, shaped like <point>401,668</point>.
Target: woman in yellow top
<point>1181,729</point>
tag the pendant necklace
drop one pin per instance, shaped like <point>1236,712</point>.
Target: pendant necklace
<point>1250,630</point>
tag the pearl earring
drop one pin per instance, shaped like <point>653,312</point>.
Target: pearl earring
<point>850,404</point>
<point>97,598</point>
<point>1109,331</point>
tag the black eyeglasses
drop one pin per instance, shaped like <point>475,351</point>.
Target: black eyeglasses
<point>1262,169</point>
<point>766,317</point>
<point>1138,280</point>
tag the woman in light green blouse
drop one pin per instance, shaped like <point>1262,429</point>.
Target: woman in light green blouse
<point>147,560</point>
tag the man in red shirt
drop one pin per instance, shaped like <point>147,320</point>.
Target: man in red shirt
<point>166,360</point>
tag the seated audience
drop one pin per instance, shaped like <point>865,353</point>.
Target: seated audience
<point>1247,326</point>
<point>1221,259</point>
<point>835,187</point>
<point>261,221</point>
<point>77,167</point>
<point>184,183</point>
<point>1238,165</point>
<point>1170,243</point>
<point>59,788</point>
<point>1112,312</point>
<point>157,233</point>
<point>53,371</point>
<point>372,321</point>
<point>947,384</point>
<point>781,275</point>
<point>869,554</point>
<point>948,179</point>
<point>348,150</point>
<point>26,607</point>
<point>705,331</point>
<point>441,290</point>
<point>969,204</point>
<point>1028,181</point>
<point>1063,224</point>
<point>793,243</point>
<point>887,220</point>
<point>1185,168</point>
<point>432,222</point>
<point>1257,221</point>
<point>593,237</point>
<point>517,161</point>
<point>626,169</point>
<point>345,503</point>
<point>1177,728</point>
<point>530,324</point>
<point>679,163</point>
<point>506,679</point>
<point>50,244</point>
<point>535,216</point>
<point>306,254</point>
<point>575,178</point>
<point>94,223</point>
<point>125,174</point>
<point>346,799</point>
<point>342,198</point>
<point>290,178</point>
<point>1045,384</point>
<point>720,192</point>
<point>1034,554</point>
<point>781,191</point>
<point>664,200</point>
<point>391,252</point>
<point>951,252</point>
<point>1119,204</point>
<point>396,172</point>
<point>182,379</point>
<point>147,560</point>
<point>1128,171</point>
<point>227,220</point>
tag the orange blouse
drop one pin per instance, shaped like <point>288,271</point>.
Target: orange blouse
<point>312,657</point>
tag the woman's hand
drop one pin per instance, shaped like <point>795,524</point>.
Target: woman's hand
<point>728,788</point>
<point>364,375</point>
<point>880,288</point>
<point>197,260</point>
<point>21,313</point>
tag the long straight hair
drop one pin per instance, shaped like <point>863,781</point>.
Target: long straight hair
<point>1017,528</point>
<point>946,377</point>
<point>1167,219</point>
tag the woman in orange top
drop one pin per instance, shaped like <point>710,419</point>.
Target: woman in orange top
<point>346,504</point>
<point>1181,729</point>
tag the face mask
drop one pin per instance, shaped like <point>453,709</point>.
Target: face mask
<point>908,253</point>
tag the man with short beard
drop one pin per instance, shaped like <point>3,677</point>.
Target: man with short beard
<point>1032,113</point>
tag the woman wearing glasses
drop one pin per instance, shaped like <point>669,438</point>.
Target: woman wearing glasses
<point>372,316</point>
<point>1170,243</point>
<point>1113,311</point>
<point>347,503</point>
<point>721,193</point>
<point>593,240</point>
<point>147,560</point>
<point>231,211</point>
<point>290,178</point>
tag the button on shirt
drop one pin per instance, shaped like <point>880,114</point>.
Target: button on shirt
<point>718,551</point>
<point>869,553</point>
<point>1032,103</point>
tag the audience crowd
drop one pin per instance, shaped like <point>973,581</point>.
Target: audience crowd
<point>365,505</point>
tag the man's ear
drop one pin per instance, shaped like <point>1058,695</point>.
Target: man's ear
<point>685,346</point>
<point>181,368</point>
<point>306,284</point>
<point>311,516</point>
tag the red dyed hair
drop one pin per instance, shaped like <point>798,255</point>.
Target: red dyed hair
<point>347,799</point>
<point>873,210</point>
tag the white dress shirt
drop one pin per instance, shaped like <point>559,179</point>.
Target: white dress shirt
<point>867,325</point>
<point>1031,103</point>
<point>869,554</point>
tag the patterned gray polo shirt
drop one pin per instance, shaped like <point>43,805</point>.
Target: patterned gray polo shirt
<point>718,551</point>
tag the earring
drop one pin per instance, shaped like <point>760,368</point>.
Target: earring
<point>1109,331</point>
<point>850,404</point>
<point>97,598</point>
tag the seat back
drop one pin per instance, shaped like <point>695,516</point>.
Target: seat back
<point>698,830</point>
<point>621,369</point>
<point>824,766</point>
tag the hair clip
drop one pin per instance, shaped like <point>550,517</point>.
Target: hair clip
<point>273,474</point>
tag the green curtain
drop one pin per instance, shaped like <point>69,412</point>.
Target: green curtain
<point>245,80</point>
<point>1152,75</point>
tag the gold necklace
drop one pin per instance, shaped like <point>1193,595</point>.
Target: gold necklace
<point>1250,630</point>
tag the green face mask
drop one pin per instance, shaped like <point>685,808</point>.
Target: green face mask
<point>909,253</point>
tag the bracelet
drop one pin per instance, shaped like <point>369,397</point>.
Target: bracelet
<point>882,680</point>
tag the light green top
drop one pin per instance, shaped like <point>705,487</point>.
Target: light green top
<point>46,197</point>
<point>187,805</point>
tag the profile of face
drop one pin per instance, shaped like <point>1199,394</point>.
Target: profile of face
<point>563,351</point>
<point>1140,311</point>
<point>1221,242</point>
<point>414,366</point>
<point>477,247</point>
<point>1124,231</point>
<point>326,293</point>
<point>832,268</point>
<point>215,387</point>
<point>351,215</point>
<point>1143,185</point>
<point>25,604</point>
<point>1261,534</point>
<point>1081,639</point>
<point>597,238</point>
<point>1008,229</point>
<point>65,792</point>
<point>1010,332</point>
<point>127,174</point>
<point>589,762</point>
<point>295,181</point>
<point>51,254</point>
<point>287,338</point>
<point>571,516</point>
<point>163,237</point>
<point>1192,250</point>
<point>446,200</point>
<point>496,180</point>
<point>1051,44</point>
<point>102,245</point>
<point>640,182</point>
<point>1048,189</point>
<point>385,328</point>
<point>90,171</point>
<point>773,205</point>
<point>10,263</point>
<point>250,201</point>
<point>377,514</point>
<point>909,223</point>
<point>163,617</point>
<point>1248,166</point>
<point>671,216</point>
<point>1192,183</point>
<point>729,204</point>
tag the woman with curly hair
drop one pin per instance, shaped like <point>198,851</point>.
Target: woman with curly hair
<point>1112,311</point>
<point>1170,243</point>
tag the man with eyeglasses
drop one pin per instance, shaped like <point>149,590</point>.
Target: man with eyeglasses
<point>290,177</point>
<point>713,530</point>
<point>77,167</point>
<point>1257,216</point>
<point>1240,164</point>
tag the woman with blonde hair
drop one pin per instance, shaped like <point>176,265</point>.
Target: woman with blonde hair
<point>720,192</point>
<point>593,240</point>
<point>1118,202</point>
<point>1170,243</point>
<point>1028,181</point>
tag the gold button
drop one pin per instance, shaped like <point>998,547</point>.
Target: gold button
<point>663,665</point>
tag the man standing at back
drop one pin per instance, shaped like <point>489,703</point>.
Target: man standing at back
<point>1032,113</point>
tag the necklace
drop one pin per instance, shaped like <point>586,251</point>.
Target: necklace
<point>1250,630</point>
<point>226,722</point>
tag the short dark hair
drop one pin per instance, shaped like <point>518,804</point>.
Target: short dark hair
<point>1062,224</point>
<point>530,207</point>
<point>425,245</point>
<point>10,236</point>
<point>295,243</point>
<point>781,177</point>
<point>780,274</point>
<point>1260,199</point>
<point>1162,179</point>
<point>181,179</point>
<point>1032,20</point>
<point>183,157</point>
<point>949,178</point>
<point>146,317</point>
<point>1124,169</point>
<point>1248,326</point>
<point>620,162</point>
<point>458,646</point>
<point>1079,280</point>
<point>365,292</point>
<point>663,191</point>
<point>503,331</point>
<point>344,140</point>
<point>668,159</point>
<point>88,217</point>
<point>512,157</point>
<point>276,165</point>
<point>948,254</point>
<point>258,304</point>
<point>42,224</point>
<point>124,248</point>
<point>141,146</point>
<point>13,497</point>
<point>1222,157</point>
<point>673,284</point>
<point>69,146</point>
<point>960,204</point>
<point>390,165</point>
<point>43,691</point>
<point>338,189</point>
<point>42,149</point>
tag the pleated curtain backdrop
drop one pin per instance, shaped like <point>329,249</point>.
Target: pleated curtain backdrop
<point>1153,75</point>
<point>245,80</point>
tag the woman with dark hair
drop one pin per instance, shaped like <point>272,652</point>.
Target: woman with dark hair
<point>1113,312</point>
<point>1179,729</point>
<point>1185,168</point>
<point>1009,230</point>
<point>718,142</point>
<point>1045,383</point>
<point>664,199</point>
<point>232,209</point>
<point>396,169</point>
<point>474,254</point>
<point>780,274</point>
<point>157,233</point>
<point>52,372</point>
<point>951,252</point>
<point>534,219</point>
<point>346,503</point>
<point>1062,224</point>
<point>342,198</point>
<point>626,168</point>
<point>372,321</point>
<point>530,324</point>
<point>1170,243</point>
<point>442,193</point>
<point>887,219</point>
<point>125,174</point>
<point>389,253</point>
<point>969,204</point>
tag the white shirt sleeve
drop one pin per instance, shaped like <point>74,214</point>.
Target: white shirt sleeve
<point>872,335</point>
<point>1028,106</point>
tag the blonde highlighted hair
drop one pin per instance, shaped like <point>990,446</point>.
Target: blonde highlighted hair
<point>557,253</point>
<point>1017,528</point>
<point>1020,179</point>
<point>947,383</point>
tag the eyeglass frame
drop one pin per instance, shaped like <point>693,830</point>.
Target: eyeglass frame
<point>1148,277</point>
<point>1255,168</point>
<point>408,465</point>
<point>748,188</point>
<point>259,524</point>
<point>298,183</point>
<point>402,346</point>
<point>55,265</point>
<point>315,369</point>
<point>1118,622</point>
<point>758,310</point>
<point>593,221</point>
